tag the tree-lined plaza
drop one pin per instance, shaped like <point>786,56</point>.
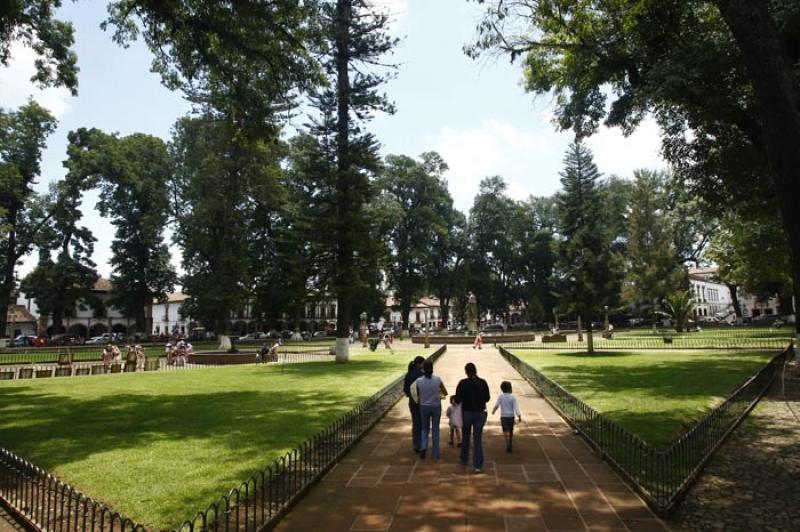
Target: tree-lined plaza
<point>274,194</point>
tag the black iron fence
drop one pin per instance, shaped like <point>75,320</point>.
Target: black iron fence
<point>665,342</point>
<point>661,476</point>
<point>43,502</point>
<point>46,503</point>
<point>265,497</point>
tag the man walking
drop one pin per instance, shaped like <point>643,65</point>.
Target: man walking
<point>472,394</point>
<point>414,373</point>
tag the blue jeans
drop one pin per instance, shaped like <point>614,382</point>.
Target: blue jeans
<point>431,415</point>
<point>473,424</point>
<point>416,424</point>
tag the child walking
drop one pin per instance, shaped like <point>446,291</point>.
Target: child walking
<point>509,408</point>
<point>456,421</point>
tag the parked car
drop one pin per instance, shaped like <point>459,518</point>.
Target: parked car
<point>102,339</point>
<point>63,339</point>
<point>24,340</point>
<point>306,335</point>
<point>319,335</point>
<point>251,336</point>
<point>493,327</point>
<point>286,334</point>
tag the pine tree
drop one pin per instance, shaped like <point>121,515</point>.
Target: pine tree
<point>355,41</point>
<point>653,266</point>
<point>587,266</point>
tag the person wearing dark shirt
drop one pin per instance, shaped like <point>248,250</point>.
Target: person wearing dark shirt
<point>472,394</point>
<point>414,373</point>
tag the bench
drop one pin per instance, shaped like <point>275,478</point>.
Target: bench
<point>65,359</point>
<point>25,373</point>
<point>98,369</point>
<point>6,375</point>
<point>83,370</point>
<point>64,371</point>
<point>44,373</point>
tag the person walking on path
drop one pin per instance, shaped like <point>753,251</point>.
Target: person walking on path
<point>414,372</point>
<point>472,394</point>
<point>428,391</point>
<point>455,421</point>
<point>509,407</point>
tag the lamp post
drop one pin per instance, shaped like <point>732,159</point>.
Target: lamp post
<point>363,330</point>
<point>427,327</point>
<point>605,318</point>
<point>555,314</point>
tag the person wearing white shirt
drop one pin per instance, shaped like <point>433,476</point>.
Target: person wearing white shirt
<point>509,407</point>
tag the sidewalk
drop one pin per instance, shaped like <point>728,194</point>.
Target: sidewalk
<point>552,481</point>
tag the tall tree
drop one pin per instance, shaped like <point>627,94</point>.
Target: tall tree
<point>22,138</point>
<point>355,40</point>
<point>586,264</point>
<point>735,130</point>
<point>64,285</point>
<point>536,259</point>
<point>653,266</point>
<point>416,197</point>
<point>493,247</point>
<point>133,174</point>
<point>215,169</point>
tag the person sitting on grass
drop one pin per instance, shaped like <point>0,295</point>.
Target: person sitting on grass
<point>509,407</point>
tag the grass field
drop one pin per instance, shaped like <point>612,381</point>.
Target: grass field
<point>657,396</point>
<point>160,446</point>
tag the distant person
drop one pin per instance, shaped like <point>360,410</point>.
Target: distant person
<point>263,354</point>
<point>478,341</point>
<point>108,356</point>
<point>272,355</point>
<point>455,421</point>
<point>509,407</point>
<point>428,390</point>
<point>472,394</point>
<point>414,372</point>
<point>140,357</point>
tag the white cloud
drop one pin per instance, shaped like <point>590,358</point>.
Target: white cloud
<point>530,159</point>
<point>16,86</point>
<point>616,154</point>
<point>494,148</point>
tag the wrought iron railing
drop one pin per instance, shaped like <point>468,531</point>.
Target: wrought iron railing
<point>661,476</point>
<point>44,502</point>
<point>265,497</point>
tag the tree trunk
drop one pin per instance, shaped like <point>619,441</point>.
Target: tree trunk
<point>405,310</point>
<point>345,277</point>
<point>589,338</point>
<point>580,329</point>
<point>8,282</point>
<point>778,97</point>
<point>737,307</point>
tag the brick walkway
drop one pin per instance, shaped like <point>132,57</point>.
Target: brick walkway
<point>551,481</point>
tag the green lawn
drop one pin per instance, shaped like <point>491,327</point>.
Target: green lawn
<point>655,395</point>
<point>160,446</point>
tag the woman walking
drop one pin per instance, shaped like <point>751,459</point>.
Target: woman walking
<point>472,394</point>
<point>429,390</point>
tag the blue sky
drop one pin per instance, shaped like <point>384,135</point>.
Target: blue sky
<point>475,114</point>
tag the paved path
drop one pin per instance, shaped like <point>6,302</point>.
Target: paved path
<point>752,483</point>
<point>8,523</point>
<point>552,481</point>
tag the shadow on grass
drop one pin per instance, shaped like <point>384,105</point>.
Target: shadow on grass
<point>188,434</point>
<point>659,400</point>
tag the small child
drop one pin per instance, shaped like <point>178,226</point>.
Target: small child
<point>509,407</point>
<point>456,420</point>
<point>478,341</point>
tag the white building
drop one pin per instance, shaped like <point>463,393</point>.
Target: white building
<point>427,308</point>
<point>713,299</point>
